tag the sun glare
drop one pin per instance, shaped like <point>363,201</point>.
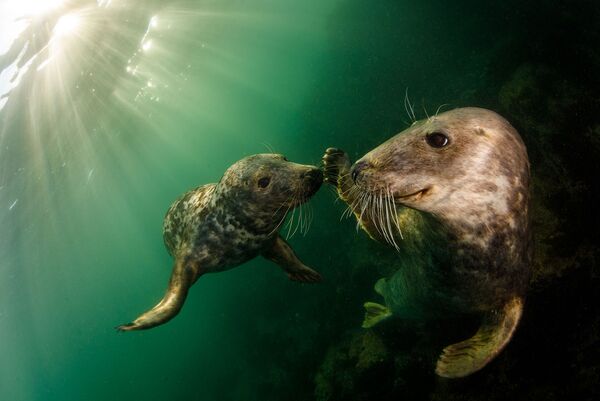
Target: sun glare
<point>14,16</point>
<point>147,45</point>
<point>66,25</point>
<point>34,7</point>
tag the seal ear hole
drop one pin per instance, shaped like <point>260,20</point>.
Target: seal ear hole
<point>437,140</point>
<point>264,182</point>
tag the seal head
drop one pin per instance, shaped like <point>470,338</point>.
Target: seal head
<point>468,168</point>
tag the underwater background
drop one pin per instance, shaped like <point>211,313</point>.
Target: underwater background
<point>110,110</point>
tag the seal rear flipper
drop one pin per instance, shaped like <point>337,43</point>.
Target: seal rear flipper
<point>375,313</point>
<point>283,255</point>
<point>466,357</point>
<point>182,278</point>
<point>304,274</point>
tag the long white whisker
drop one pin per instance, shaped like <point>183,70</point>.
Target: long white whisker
<point>334,191</point>
<point>367,207</point>
<point>374,212</point>
<point>303,228</point>
<point>289,223</point>
<point>395,213</point>
<point>283,217</point>
<point>424,108</point>
<point>406,104</point>
<point>307,212</point>
<point>310,216</point>
<point>298,222</point>
<point>301,217</point>
<point>282,205</point>
<point>438,109</point>
<point>388,212</point>
<point>268,147</point>
<point>410,107</point>
<point>353,203</point>
<point>382,216</point>
<point>365,201</point>
<point>363,207</point>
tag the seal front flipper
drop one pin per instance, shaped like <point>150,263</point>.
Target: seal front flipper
<point>283,255</point>
<point>336,167</point>
<point>183,276</point>
<point>466,357</point>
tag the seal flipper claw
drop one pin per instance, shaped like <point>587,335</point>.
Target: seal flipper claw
<point>182,278</point>
<point>283,255</point>
<point>336,164</point>
<point>375,313</point>
<point>466,357</point>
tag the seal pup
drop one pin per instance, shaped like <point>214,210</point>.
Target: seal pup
<point>216,227</point>
<point>451,194</point>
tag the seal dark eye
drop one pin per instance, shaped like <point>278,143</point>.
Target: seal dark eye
<point>437,140</point>
<point>264,182</point>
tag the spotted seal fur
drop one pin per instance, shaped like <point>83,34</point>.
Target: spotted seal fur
<point>451,193</point>
<point>216,227</point>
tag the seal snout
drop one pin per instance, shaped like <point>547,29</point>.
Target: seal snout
<point>313,179</point>
<point>357,169</point>
<point>313,175</point>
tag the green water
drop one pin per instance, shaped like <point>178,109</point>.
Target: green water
<point>124,105</point>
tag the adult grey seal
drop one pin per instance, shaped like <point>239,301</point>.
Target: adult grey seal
<point>216,227</point>
<point>451,194</point>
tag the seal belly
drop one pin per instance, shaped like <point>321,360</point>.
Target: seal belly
<point>412,293</point>
<point>221,242</point>
<point>417,291</point>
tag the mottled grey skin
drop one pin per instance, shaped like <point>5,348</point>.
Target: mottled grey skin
<point>463,211</point>
<point>216,227</point>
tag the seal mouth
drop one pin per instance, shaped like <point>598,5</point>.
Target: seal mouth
<point>414,196</point>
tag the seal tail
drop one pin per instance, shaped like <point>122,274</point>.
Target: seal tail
<point>182,278</point>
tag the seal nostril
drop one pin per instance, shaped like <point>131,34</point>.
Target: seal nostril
<point>357,169</point>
